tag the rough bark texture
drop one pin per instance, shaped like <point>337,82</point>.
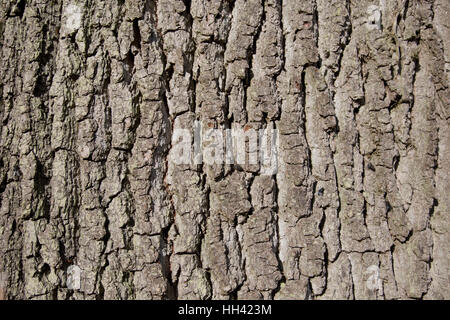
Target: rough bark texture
<point>91,92</point>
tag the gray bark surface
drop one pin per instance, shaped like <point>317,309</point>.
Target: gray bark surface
<point>92,91</point>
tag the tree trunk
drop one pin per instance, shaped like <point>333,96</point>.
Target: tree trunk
<point>93,92</point>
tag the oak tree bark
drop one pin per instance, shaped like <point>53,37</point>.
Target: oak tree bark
<point>92,91</point>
